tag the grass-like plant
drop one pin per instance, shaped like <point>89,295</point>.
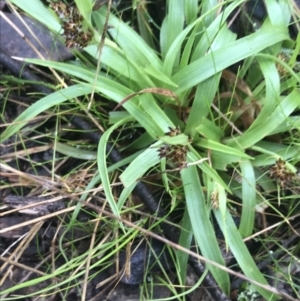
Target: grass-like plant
<point>181,83</point>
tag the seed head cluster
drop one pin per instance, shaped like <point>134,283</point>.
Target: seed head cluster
<point>286,57</point>
<point>281,173</point>
<point>72,22</point>
<point>174,153</point>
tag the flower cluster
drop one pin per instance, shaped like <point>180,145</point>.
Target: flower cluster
<point>72,23</point>
<point>175,153</point>
<point>286,56</point>
<point>281,173</point>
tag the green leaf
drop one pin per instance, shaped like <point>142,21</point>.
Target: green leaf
<point>42,105</point>
<point>143,19</point>
<point>181,139</point>
<point>248,199</point>
<point>209,6</point>
<point>272,83</point>
<point>173,26</point>
<point>188,48</point>
<point>129,41</point>
<point>125,194</point>
<point>175,48</point>
<point>213,22</point>
<point>85,8</point>
<point>216,61</point>
<point>125,67</point>
<point>191,9</point>
<point>158,75</point>
<point>75,152</point>
<point>185,240</point>
<point>202,228</point>
<point>139,106</point>
<point>217,146</point>
<point>38,11</point>
<point>291,123</point>
<point>210,130</point>
<point>262,127</point>
<point>102,167</point>
<point>140,165</point>
<point>204,96</point>
<point>278,12</point>
<point>241,253</point>
<point>194,156</point>
<point>273,151</point>
<point>221,160</point>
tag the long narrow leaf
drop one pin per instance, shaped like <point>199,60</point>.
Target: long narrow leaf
<point>173,26</point>
<point>232,53</point>
<point>248,198</point>
<point>128,40</point>
<point>138,167</point>
<point>201,224</point>
<point>42,105</point>
<point>213,145</point>
<point>241,253</point>
<point>185,240</point>
<point>262,128</point>
<point>117,92</point>
<point>38,11</point>
<point>102,167</point>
